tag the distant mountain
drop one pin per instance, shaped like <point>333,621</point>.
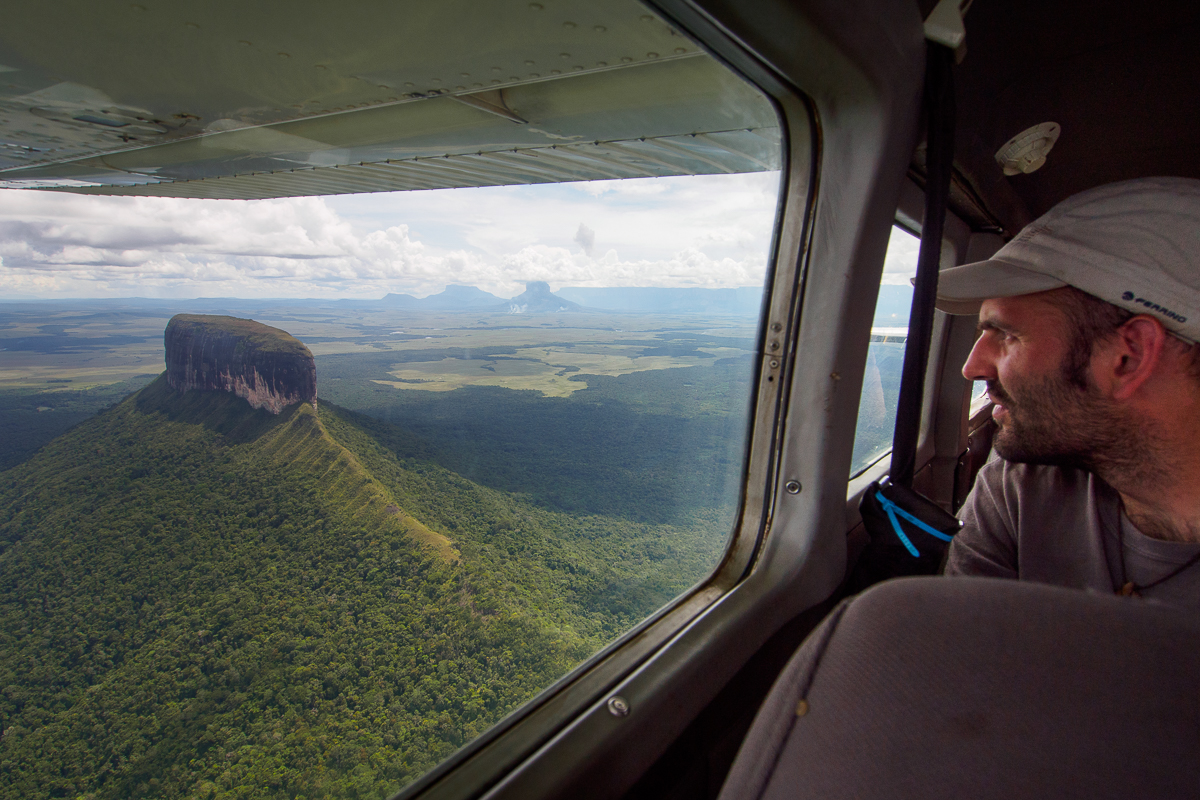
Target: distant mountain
<point>743,301</point>
<point>400,300</point>
<point>538,299</point>
<point>455,297</point>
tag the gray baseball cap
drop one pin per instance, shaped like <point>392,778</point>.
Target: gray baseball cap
<point>1135,244</point>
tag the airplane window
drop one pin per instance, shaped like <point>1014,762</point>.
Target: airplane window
<point>979,395</point>
<point>885,356</point>
<point>528,428</point>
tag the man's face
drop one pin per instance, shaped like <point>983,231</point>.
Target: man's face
<point>1042,417</point>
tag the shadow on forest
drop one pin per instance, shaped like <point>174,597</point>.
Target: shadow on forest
<point>653,446</point>
<point>220,412</point>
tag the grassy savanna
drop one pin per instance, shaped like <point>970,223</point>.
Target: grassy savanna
<point>93,343</point>
<point>548,370</point>
<point>555,355</point>
<point>47,347</point>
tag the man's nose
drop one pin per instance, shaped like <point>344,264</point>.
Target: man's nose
<point>980,366</point>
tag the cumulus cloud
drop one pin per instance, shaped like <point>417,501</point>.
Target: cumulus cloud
<point>163,246</point>
<point>585,237</point>
<point>698,231</point>
<point>900,264</point>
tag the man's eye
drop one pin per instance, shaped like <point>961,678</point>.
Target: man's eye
<point>1001,335</point>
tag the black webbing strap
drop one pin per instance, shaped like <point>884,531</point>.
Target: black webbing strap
<point>939,155</point>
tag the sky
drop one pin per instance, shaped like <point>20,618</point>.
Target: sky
<point>900,263</point>
<point>697,231</point>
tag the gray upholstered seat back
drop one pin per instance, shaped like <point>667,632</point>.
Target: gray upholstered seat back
<point>975,688</point>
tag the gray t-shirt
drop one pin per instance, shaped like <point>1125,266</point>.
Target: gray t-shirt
<point>1059,526</point>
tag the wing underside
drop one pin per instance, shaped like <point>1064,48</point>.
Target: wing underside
<point>207,99</point>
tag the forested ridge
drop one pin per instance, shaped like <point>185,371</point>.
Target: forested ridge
<point>202,600</point>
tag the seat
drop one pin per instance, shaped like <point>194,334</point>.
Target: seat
<point>979,688</point>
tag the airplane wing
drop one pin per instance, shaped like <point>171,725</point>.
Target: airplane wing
<point>222,99</point>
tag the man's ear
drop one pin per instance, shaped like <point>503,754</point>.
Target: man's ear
<point>1132,356</point>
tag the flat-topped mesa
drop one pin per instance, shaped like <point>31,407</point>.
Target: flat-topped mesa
<point>270,368</point>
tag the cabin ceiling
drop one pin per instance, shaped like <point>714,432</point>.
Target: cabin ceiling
<point>1121,78</point>
<point>214,98</point>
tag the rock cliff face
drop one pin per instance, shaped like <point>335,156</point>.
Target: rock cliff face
<point>267,366</point>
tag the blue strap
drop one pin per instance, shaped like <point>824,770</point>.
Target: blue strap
<point>892,509</point>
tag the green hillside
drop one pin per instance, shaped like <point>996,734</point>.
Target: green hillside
<point>202,600</point>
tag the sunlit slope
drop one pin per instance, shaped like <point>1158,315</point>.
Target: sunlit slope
<point>297,441</point>
<point>199,599</point>
<point>589,577</point>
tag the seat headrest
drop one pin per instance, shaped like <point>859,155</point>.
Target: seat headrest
<point>971,687</point>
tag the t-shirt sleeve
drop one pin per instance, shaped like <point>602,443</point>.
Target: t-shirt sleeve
<point>987,544</point>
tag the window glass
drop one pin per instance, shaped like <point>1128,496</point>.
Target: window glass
<point>979,395</point>
<point>528,432</point>
<point>885,355</point>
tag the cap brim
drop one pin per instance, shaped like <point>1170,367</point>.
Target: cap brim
<point>961,290</point>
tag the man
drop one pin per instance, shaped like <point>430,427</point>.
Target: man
<point>1088,324</point>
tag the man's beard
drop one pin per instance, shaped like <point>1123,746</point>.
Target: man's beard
<point>1053,421</point>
